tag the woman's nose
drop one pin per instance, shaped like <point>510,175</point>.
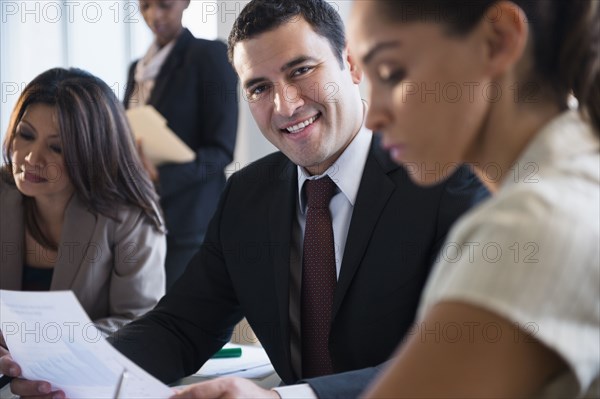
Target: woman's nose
<point>34,156</point>
<point>153,15</point>
<point>377,116</point>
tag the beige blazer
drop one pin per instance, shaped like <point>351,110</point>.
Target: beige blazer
<point>116,269</point>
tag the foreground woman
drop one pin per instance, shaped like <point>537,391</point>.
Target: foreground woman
<point>513,310</point>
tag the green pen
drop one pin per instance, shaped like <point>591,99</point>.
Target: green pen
<point>228,352</point>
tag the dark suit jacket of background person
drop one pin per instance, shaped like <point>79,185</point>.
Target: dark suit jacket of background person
<point>243,269</point>
<point>195,91</point>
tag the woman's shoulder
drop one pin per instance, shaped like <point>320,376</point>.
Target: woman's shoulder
<point>125,221</point>
<point>128,218</point>
<point>558,174</point>
<point>551,205</point>
<point>207,49</point>
<point>7,186</point>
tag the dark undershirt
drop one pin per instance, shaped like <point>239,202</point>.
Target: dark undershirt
<point>36,278</point>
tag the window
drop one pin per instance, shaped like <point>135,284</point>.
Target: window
<point>102,37</point>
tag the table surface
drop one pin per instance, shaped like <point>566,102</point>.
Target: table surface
<point>252,356</point>
<point>268,382</point>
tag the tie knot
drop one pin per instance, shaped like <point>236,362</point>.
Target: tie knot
<point>319,192</point>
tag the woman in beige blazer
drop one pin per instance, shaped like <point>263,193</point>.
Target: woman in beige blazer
<point>78,211</point>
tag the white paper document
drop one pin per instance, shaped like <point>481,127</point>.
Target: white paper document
<point>51,337</point>
<point>159,142</point>
<point>254,363</point>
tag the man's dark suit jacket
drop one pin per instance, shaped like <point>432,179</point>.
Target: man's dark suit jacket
<point>195,91</point>
<point>243,270</point>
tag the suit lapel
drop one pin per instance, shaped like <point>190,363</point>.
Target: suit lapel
<point>130,85</point>
<point>280,222</point>
<point>76,240</point>
<point>169,67</point>
<point>12,238</point>
<point>374,192</point>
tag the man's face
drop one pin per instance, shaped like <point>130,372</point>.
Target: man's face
<point>301,99</point>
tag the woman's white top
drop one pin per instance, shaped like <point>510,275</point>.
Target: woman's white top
<point>146,71</point>
<point>531,254</point>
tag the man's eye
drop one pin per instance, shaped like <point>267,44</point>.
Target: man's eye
<point>302,70</point>
<point>256,91</point>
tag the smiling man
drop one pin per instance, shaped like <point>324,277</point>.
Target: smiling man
<point>306,242</point>
<point>304,97</point>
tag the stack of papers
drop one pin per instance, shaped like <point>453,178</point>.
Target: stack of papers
<point>159,142</point>
<point>51,337</point>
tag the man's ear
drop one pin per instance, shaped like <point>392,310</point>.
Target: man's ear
<point>355,71</point>
<point>506,29</point>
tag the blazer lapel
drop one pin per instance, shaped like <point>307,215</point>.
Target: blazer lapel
<point>12,238</point>
<point>130,85</point>
<point>374,192</point>
<point>169,67</point>
<point>280,222</point>
<point>76,244</point>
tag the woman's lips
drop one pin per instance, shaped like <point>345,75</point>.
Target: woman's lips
<point>397,151</point>
<point>34,178</point>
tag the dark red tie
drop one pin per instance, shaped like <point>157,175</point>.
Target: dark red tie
<point>318,279</point>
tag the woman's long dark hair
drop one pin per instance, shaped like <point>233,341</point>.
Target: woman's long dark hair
<point>98,148</point>
<point>565,40</point>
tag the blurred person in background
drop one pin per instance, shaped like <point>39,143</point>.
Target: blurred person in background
<point>191,84</point>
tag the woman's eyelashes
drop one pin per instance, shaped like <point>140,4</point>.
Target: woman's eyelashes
<point>165,5</point>
<point>56,148</point>
<point>25,135</point>
<point>389,74</point>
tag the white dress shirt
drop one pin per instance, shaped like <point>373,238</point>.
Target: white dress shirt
<point>346,172</point>
<point>146,71</point>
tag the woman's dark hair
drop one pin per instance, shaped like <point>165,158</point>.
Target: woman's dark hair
<point>565,40</point>
<point>98,148</point>
<point>260,16</point>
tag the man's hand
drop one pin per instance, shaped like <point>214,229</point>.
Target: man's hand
<point>22,387</point>
<point>226,388</point>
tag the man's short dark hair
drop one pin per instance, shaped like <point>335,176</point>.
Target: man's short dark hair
<point>261,16</point>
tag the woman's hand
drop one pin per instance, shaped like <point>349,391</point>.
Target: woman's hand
<point>20,386</point>
<point>148,166</point>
